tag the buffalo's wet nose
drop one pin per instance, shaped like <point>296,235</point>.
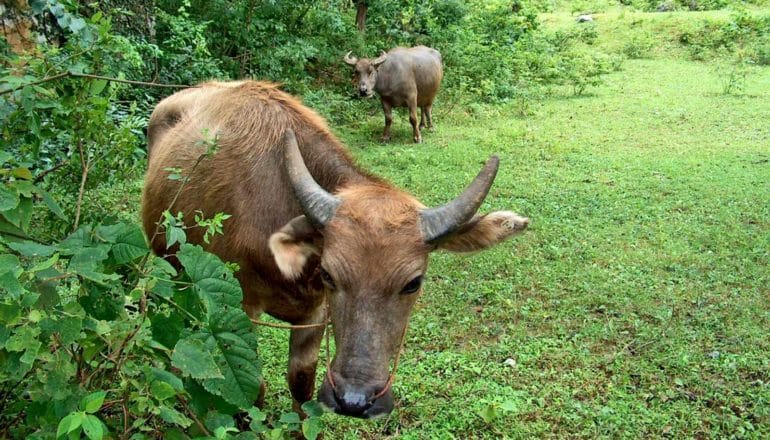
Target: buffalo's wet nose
<point>365,401</point>
<point>353,402</point>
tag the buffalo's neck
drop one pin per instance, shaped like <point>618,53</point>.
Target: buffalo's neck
<point>330,164</point>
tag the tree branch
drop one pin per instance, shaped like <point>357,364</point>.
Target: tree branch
<point>90,76</point>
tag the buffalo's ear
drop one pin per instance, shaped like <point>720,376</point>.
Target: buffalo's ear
<point>484,231</point>
<point>293,245</point>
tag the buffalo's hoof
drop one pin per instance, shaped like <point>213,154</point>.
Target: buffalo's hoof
<point>418,140</point>
<point>385,139</point>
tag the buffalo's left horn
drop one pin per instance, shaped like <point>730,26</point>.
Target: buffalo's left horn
<point>437,223</point>
<point>381,59</point>
<point>350,60</point>
<point>318,205</point>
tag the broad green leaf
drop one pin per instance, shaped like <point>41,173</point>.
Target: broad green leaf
<point>10,264</point>
<point>32,249</point>
<point>161,390</point>
<point>488,413</point>
<point>9,198</point>
<point>311,427</point>
<point>23,338</point>
<point>93,427</point>
<point>45,265</point>
<point>21,215</point>
<point>96,85</point>
<point>312,408</point>
<point>11,284</point>
<point>9,314</point>
<point>22,173</point>
<point>289,418</point>
<point>92,402</point>
<point>171,415</point>
<point>129,245</point>
<point>76,241</point>
<point>215,420</point>
<point>230,335</point>
<point>70,423</point>
<point>193,358</point>
<point>51,204</point>
<point>4,155</point>
<point>156,374</point>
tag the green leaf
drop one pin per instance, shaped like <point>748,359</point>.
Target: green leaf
<point>51,204</point>
<point>161,390</point>
<point>93,427</point>
<point>32,249</point>
<point>21,215</point>
<point>70,423</point>
<point>92,402</point>
<point>311,427</point>
<point>129,245</point>
<point>312,408</point>
<point>230,335</point>
<point>10,264</point>
<point>257,419</point>
<point>192,357</point>
<point>11,284</point>
<point>156,374</point>
<point>45,265</point>
<point>290,418</point>
<point>215,420</point>
<point>488,413</point>
<point>22,173</point>
<point>96,85</point>
<point>9,198</point>
<point>171,415</point>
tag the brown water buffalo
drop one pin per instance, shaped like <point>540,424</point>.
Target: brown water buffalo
<point>308,227</point>
<point>403,77</point>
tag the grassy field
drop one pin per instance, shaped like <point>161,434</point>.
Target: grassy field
<point>637,304</point>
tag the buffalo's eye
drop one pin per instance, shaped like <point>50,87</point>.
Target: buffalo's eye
<point>327,279</point>
<point>412,286</point>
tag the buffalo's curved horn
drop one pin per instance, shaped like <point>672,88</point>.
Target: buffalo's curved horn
<point>381,59</point>
<point>318,205</point>
<point>437,223</point>
<point>350,60</point>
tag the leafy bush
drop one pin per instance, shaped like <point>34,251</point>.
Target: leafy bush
<point>742,30</point>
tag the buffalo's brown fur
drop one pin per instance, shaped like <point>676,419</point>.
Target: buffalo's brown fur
<point>371,249</point>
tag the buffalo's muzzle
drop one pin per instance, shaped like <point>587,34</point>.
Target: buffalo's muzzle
<point>354,400</point>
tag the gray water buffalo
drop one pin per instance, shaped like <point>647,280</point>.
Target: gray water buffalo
<point>403,77</point>
<point>308,229</point>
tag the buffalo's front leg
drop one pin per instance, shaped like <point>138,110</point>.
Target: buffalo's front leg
<point>413,120</point>
<point>303,359</point>
<point>388,110</point>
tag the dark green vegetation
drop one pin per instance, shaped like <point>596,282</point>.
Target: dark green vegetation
<point>636,305</point>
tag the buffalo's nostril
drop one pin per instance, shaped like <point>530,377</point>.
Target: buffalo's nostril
<point>353,402</point>
<point>362,92</point>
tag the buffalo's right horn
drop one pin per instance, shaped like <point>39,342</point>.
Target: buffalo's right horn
<point>318,205</point>
<point>438,223</point>
<point>350,60</point>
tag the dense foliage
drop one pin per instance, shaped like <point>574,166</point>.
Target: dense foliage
<point>97,336</point>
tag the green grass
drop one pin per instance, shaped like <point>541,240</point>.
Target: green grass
<point>636,305</point>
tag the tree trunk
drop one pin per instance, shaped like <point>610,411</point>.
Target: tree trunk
<point>361,15</point>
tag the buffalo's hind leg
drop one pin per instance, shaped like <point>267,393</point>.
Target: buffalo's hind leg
<point>413,120</point>
<point>303,360</point>
<point>428,112</point>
